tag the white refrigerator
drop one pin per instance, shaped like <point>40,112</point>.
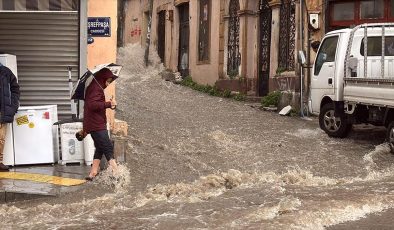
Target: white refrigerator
<point>9,60</point>
<point>35,137</point>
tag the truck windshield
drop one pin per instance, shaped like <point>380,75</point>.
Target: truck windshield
<point>326,53</point>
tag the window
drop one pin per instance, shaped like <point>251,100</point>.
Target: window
<point>349,13</point>
<point>392,8</point>
<point>343,11</point>
<point>287,38</point>
<point>374,46</point>
<point>326,53</point>
<point>204,31</point>
<point>371,9</point>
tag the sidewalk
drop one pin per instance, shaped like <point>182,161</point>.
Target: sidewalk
<point>23,183</point>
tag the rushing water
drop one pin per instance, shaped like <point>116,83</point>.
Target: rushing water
<point>201,162</point>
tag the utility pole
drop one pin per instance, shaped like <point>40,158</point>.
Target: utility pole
<point>302,49</point>
<point>148,34</point>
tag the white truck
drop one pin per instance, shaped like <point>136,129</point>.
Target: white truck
<point>353,79</point>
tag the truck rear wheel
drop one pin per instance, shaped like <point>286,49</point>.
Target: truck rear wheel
<point>334,126</point>
<point>390,136</point>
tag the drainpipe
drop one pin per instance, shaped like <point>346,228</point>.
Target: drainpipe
<point>308,55</point>
<point>302,48</point>
<point>148,34</point>
<point>244,52</point>
<point>308,60</point>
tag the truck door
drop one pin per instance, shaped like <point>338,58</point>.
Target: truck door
<point>322,83</point>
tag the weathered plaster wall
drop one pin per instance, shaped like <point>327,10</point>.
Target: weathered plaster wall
<point>133,25</point>
<point>204,73</point>
<point>103,50</point>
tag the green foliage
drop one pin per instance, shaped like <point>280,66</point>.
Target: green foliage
<point>272,99</point>
<point>239,97</point>
<point>227,93</point>
<point>280,70</point>
<point>188,81</point>
<point>211,90</point>
<point>294,113</point>
<point>232,74</point>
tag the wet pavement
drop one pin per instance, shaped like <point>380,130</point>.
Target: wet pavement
<point>201,162</point>
<point>12,190</point>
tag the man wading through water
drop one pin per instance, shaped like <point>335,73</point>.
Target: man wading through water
<point>95,120</point>
<point>9,104</point>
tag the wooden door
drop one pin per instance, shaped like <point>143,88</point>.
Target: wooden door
<point>161,35</point>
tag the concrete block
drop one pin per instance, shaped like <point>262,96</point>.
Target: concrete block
<point>289,98</point>
<point>285,111</point>
<point>120,148</point>
<point>120,128</point>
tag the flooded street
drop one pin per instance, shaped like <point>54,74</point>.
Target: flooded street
<point>202,162</point>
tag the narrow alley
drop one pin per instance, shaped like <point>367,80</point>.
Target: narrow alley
<point>202,162</point>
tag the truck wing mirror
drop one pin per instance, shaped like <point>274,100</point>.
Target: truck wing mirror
<point>352,63</point>
<point>301,57</point>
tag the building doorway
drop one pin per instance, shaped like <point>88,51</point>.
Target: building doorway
<point>161,35</point>
<point>264,53</point>
<point>184,34</point>
<point>234,57</point>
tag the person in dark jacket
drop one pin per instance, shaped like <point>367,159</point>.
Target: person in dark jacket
<point>95,120</point>
<point>9,104</point>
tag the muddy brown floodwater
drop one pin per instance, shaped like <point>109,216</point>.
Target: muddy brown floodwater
<point>202,162</point>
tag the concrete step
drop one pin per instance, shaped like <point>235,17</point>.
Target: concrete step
<point>255,99</point>
<point>18,195</point>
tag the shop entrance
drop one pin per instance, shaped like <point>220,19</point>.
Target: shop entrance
<point>45,43</point>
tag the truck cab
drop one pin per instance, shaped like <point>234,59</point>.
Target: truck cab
<point>353,79</point>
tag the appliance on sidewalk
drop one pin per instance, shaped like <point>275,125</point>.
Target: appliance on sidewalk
<point>9,61</point>
<point>35,137</point>
<point>72,150</point>
<point>89,149</point>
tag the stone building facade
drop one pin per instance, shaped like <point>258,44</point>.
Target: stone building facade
<point>250,46</point>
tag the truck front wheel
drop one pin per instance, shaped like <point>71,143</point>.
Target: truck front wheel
<point>390,136</point>
<point>334,126</point>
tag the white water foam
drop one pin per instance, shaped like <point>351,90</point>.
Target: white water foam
<point>285,205</point>
<point>119,180</point>
<point>340,212</point>
<point>306,133</point>
<point>131,58</point>
<point>229,143</point>
<point>380,150</point>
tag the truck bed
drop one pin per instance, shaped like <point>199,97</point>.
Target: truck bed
<point>369,91</point>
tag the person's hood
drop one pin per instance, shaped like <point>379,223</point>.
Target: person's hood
<point>102,76</point>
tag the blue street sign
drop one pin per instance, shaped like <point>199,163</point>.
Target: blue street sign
<point>99,26</point>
